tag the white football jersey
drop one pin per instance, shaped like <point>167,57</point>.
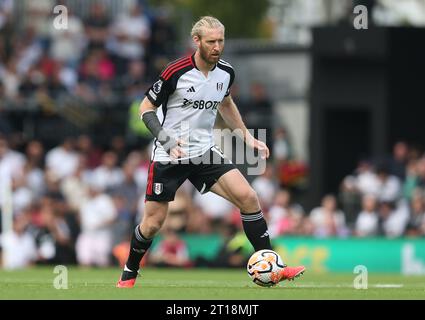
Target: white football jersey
<point>188,102</point>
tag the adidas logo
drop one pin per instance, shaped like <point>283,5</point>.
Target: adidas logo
<point>191,89</point>
<point>266,234</point>
<point>140,251</point>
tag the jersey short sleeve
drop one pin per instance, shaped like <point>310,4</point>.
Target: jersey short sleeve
<point>159,91</point>
<point>232,78</point>
<point>167,82</point>
<point>229,69</point>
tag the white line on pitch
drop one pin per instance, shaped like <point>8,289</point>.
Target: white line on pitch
<point>381,286</point>
<point>387,285</point>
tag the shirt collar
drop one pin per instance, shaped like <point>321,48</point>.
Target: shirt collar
<point>194,63</point>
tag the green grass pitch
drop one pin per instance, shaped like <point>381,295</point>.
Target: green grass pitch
<point>182,284</point>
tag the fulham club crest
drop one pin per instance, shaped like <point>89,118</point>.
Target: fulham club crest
<point>157,188</point>
<point>219,86</point>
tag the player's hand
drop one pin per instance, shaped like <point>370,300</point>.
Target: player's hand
<point>261,147</point>
<point>177,151</point>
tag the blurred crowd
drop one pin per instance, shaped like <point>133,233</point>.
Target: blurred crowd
<point>386,196</point>
<point>97,58</point>
<point>78,203</point>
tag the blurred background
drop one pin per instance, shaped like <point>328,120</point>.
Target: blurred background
<point>343,108</point>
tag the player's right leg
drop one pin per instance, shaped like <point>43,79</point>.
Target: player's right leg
<point>163,181</point>
<point>141,240</point>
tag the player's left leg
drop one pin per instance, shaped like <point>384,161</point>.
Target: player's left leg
<point>233,186</point>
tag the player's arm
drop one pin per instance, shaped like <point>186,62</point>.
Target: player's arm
<point>148,114</point>
<point>230,114</point>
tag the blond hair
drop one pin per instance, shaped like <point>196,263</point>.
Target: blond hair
<point>205,22</point>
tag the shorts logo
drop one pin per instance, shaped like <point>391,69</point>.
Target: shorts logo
<point>157,86</point>
<point>157,188</point>
<point>219,86</point>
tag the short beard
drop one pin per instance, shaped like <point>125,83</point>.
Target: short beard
<point>204,56</point>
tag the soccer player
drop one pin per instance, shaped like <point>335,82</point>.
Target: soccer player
<point>180,110</point>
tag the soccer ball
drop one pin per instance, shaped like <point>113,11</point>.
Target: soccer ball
<point>264,268</point>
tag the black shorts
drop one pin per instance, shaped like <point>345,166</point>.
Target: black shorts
<point>164,178</point>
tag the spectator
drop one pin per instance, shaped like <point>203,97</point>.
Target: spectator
<point>284,216</point>
<point>327,220</point>
<point>18,245</point>
<point>41,229</point>
<point>62,228</point>
<point>22,196</point>
<point>367,220</point>
<point>388,185</point>
<point>47,65</point>
<point>10,78</point>
<point>421,173</point>
<point>118,146</point>
<point>172,251</point>
<point>96,25</point>
<point>130,33</point>
<point>53,87</point>
<point>97,68</point>
<point>28,51</point>
<point>6,10</point>
<point>31,83</point>
<point>416,225</point>
<point>197,221</point>
<point>126,197</point>
<point>380,183</point>
<point>11,161</point>
<point>392,219</point>
<point>266,187</point>
<point>141,161</point>
<point>398,162</point>
<point>96,72</point>
<point>415,177</point>
<point>178,212</point>
<point>363,181</point>
<point>75,187</point>
<point>33,170</point>
<point>62,161</point>
<point>410,183</point>
<point>213,206</point>
<point>281,147</point>
<point>92,153</point>
<point>38,17</point>
<point>35,154</point>
<point>67,45</point>
<point>94,244</point>
<point>108,174</point>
